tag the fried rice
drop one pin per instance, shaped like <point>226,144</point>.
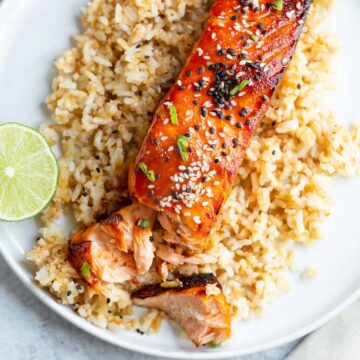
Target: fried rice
<point>103,96</point>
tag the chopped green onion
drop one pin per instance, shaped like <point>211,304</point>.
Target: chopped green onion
<point>173,114</point>
<point>278,4</point>
<point>239,87</point>
<point>144,223</point>
<point>116,313</point>
<point>182,144</point>
<point>214,344</point>
<point>254,38</point>
<point>148,173</point>
<point>85,269</point>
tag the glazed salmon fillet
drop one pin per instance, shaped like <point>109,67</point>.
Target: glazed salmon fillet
<point>201,129</point>
<point>191,155</point>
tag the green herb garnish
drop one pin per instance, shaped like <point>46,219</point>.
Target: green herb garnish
<point>116,313</point>
<point>143,223</point>
<point>148,173</point>
<point>239,87</point>
<point>214,344</point>
<point>278,4</point>
<point>254,38</point>
<point>182,144</point>
<point>173,114</point>
<point>85,269</point>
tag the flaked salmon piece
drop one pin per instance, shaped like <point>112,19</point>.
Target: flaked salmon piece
<point>143,248</point>
<point>169,255</point>
<point>122,239</point>
<point>120,226</point>
<point>197,304</point>
<point>97,259</point>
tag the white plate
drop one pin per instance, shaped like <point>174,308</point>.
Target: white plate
<point>32,34</point>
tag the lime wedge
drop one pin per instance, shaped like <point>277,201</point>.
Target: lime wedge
<point>28,172</point>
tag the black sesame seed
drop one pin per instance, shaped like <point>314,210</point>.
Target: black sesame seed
<point>195,102</point>
<point>98,170</point>
<point>273,123</point>
<point>151,238</point>
<point>167,158</point>
<point>188,190</point>
<point>260,26</point>
<point>243,112</point>
<point>187,134</point>
<point>234,18</point>
<point>175,195</point>
<point>85,194</point>
<point>239,125</point>
<point>150,194</point>
<point>224,145</point>
<point>156,142</point>
<point>212,130</point>
<point>68,293</point>
<point>273,152</point>
<point>197,127</point>
<point>265,98</point>
<point>223,153</point>
<point>107,301</point>
<point>213,146</point>
<point>197,88</point>
<point>181,87</point>
<point>216,161</point>
<point>299,86</point>
<point>200,70</point>
<point>188,73</point>
<point>204,179</point>
<point>228,117</point>
<point>78,287</point>
<point>203,111</point>
<point>247,122</point>
<point>157,176</point>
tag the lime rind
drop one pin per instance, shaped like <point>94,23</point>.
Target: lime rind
<point>21,155</point>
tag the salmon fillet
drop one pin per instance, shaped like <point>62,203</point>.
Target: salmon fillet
<point>202,128</point>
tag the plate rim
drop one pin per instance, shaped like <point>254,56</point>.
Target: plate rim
<point>62,310</point>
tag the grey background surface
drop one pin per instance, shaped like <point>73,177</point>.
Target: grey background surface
<point>31,331</point>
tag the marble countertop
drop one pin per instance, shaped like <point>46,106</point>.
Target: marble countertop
<point>31,331</point>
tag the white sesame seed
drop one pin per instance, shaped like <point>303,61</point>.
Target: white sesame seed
<point>216,183</point>
<point>200,51</point>
<point>196,220</point>
<point>207,57</point>
<point>151,186</point>
<point>165,121</point>
<point>187,214</point>
<point>171,148</point>
<point>205,203</point>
